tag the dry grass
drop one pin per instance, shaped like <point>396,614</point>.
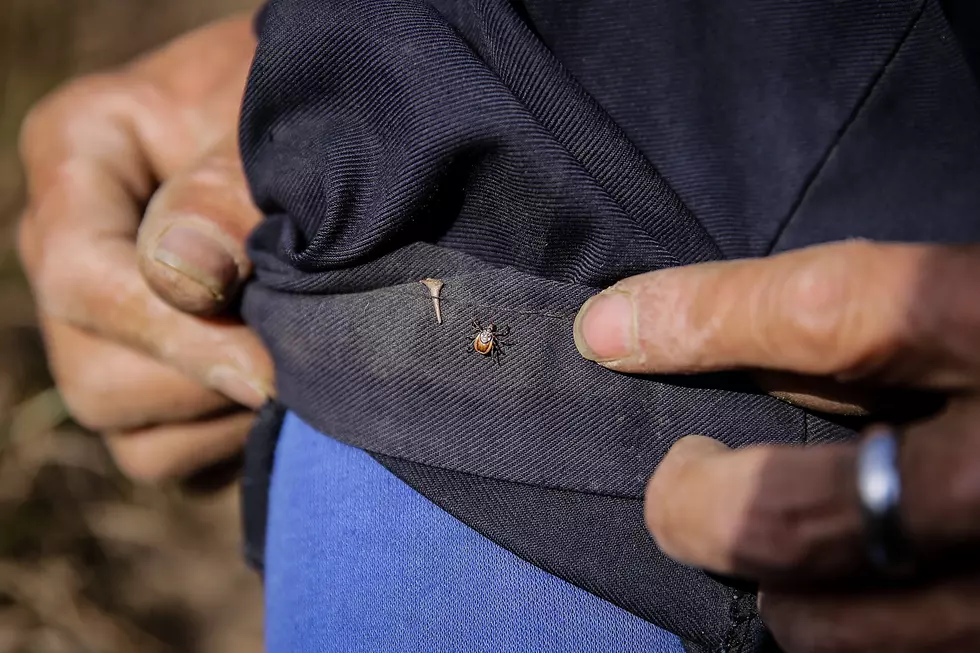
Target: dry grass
<point>88,562</point>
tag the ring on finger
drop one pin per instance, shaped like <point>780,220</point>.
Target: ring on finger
<point>879,483</point>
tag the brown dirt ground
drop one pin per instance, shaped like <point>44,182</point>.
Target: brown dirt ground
<point>90,563</point>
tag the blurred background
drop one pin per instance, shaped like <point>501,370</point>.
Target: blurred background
<point>90,563</point>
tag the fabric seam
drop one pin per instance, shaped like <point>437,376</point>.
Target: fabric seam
<point>856,112</point>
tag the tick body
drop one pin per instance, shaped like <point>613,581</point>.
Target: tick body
<point>487,340</point>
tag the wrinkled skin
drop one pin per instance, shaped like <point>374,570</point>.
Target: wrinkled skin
<point>849,327</point>
<point>133,243</point>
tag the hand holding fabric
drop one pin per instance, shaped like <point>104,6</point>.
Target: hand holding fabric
<point>850,327</point>
<point>133,243</point>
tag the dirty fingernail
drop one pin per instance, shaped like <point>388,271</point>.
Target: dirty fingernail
<point>199,257</point>
<point>604,327</point>
<point>237,386</point>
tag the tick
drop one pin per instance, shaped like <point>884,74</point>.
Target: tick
<point>487,340</point>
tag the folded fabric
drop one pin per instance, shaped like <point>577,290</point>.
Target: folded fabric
<point>530,153</point>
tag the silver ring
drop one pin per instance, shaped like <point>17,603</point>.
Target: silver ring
<point>879,485</point>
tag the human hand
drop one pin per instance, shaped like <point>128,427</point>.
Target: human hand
<point>873,317</point>
<point>133,241</point>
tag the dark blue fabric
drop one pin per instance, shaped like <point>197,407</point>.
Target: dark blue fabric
<point>358,561</point>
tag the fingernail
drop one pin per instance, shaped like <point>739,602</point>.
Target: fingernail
<point>237,386</point>
<point>199,257</point>
<point>604,327</point>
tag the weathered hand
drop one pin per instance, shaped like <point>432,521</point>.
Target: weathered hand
<point>850,315</point>
<point>135,183</point>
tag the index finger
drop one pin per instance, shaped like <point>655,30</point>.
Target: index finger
<point>896,313</point>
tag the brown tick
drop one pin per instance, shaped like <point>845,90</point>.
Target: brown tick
<point>487,340</point>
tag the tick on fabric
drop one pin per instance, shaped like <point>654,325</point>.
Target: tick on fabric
<point>487,340</point>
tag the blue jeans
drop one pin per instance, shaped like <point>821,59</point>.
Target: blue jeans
<point>356,560</point>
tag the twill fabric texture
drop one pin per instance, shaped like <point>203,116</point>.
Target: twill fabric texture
<point>531,153</point>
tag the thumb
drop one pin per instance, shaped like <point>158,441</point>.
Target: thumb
<point>191,241</point>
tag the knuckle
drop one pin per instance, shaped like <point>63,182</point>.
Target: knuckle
<point>68,104</point>
<point>38,121</point>
<point>816,295</point>
<point>825,302</point>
